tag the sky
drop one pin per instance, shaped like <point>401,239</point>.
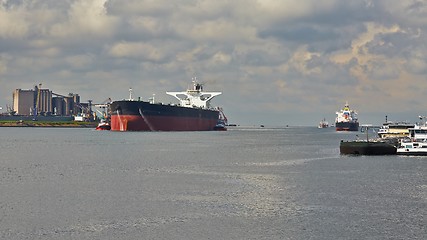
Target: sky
<point>277,62</point>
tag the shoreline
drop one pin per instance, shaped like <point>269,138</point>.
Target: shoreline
<point>49,124</point>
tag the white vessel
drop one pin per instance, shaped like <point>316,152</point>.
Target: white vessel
<point>414,148</point>
<point>395,130</point>
<point>415,144</point>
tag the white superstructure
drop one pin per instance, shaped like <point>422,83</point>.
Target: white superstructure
<point>416,143</point>
<point>394,130</point>
<point>195,97</point>
<point>346,115</point>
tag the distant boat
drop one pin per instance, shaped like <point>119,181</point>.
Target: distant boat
<point>413,148</point>
<point>415,144</point>
<point>323,124</point>
<point>346,119</point>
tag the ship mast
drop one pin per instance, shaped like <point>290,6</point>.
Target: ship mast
<point>130,94</point>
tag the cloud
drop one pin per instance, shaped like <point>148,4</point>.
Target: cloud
<point>88,19</point>
<point>284,57</point>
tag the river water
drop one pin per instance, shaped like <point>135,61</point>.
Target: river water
<point>245,183</point>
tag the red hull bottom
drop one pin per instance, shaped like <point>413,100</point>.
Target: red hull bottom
<point>343,129</point>
<point>158,123</point>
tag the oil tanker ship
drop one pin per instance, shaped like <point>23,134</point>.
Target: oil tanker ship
<point>193,113</point>
<point>346,119</point>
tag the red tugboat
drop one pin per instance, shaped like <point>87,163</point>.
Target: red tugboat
<point>193,113</point>
<point>103,125</point>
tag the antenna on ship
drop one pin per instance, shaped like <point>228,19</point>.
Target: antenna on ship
<point>423,122</point>
<point>130,94</point>
<point>152,98</point>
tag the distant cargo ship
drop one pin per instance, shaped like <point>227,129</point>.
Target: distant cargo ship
<point>346,119</point>
<point>194,113</point>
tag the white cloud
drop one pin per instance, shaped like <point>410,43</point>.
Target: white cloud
<point>13,23</point>
<point>137,50</point>
<point>85,18</point>
<point>80,61</point>
<point>282,54</point>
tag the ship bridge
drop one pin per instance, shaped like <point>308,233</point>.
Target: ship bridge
<point>195,97</point>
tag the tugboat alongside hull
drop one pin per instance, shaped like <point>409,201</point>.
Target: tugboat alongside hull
<point>103,125</point>
<point>222,121</point>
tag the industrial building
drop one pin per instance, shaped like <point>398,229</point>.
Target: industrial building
<point>38,101</point>
<point>23,101</point>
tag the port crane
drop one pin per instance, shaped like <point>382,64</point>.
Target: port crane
<point>86,114</point>
<point>10,110</point>
<point>104,105</point>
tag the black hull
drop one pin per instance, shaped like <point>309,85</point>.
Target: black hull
<point>367,148</point>
<point>347,126</point>
<point>144,116</point>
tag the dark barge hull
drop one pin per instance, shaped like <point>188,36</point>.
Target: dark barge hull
<point>347,126</point>
<point>144,116</point>
<point>367,148</point>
